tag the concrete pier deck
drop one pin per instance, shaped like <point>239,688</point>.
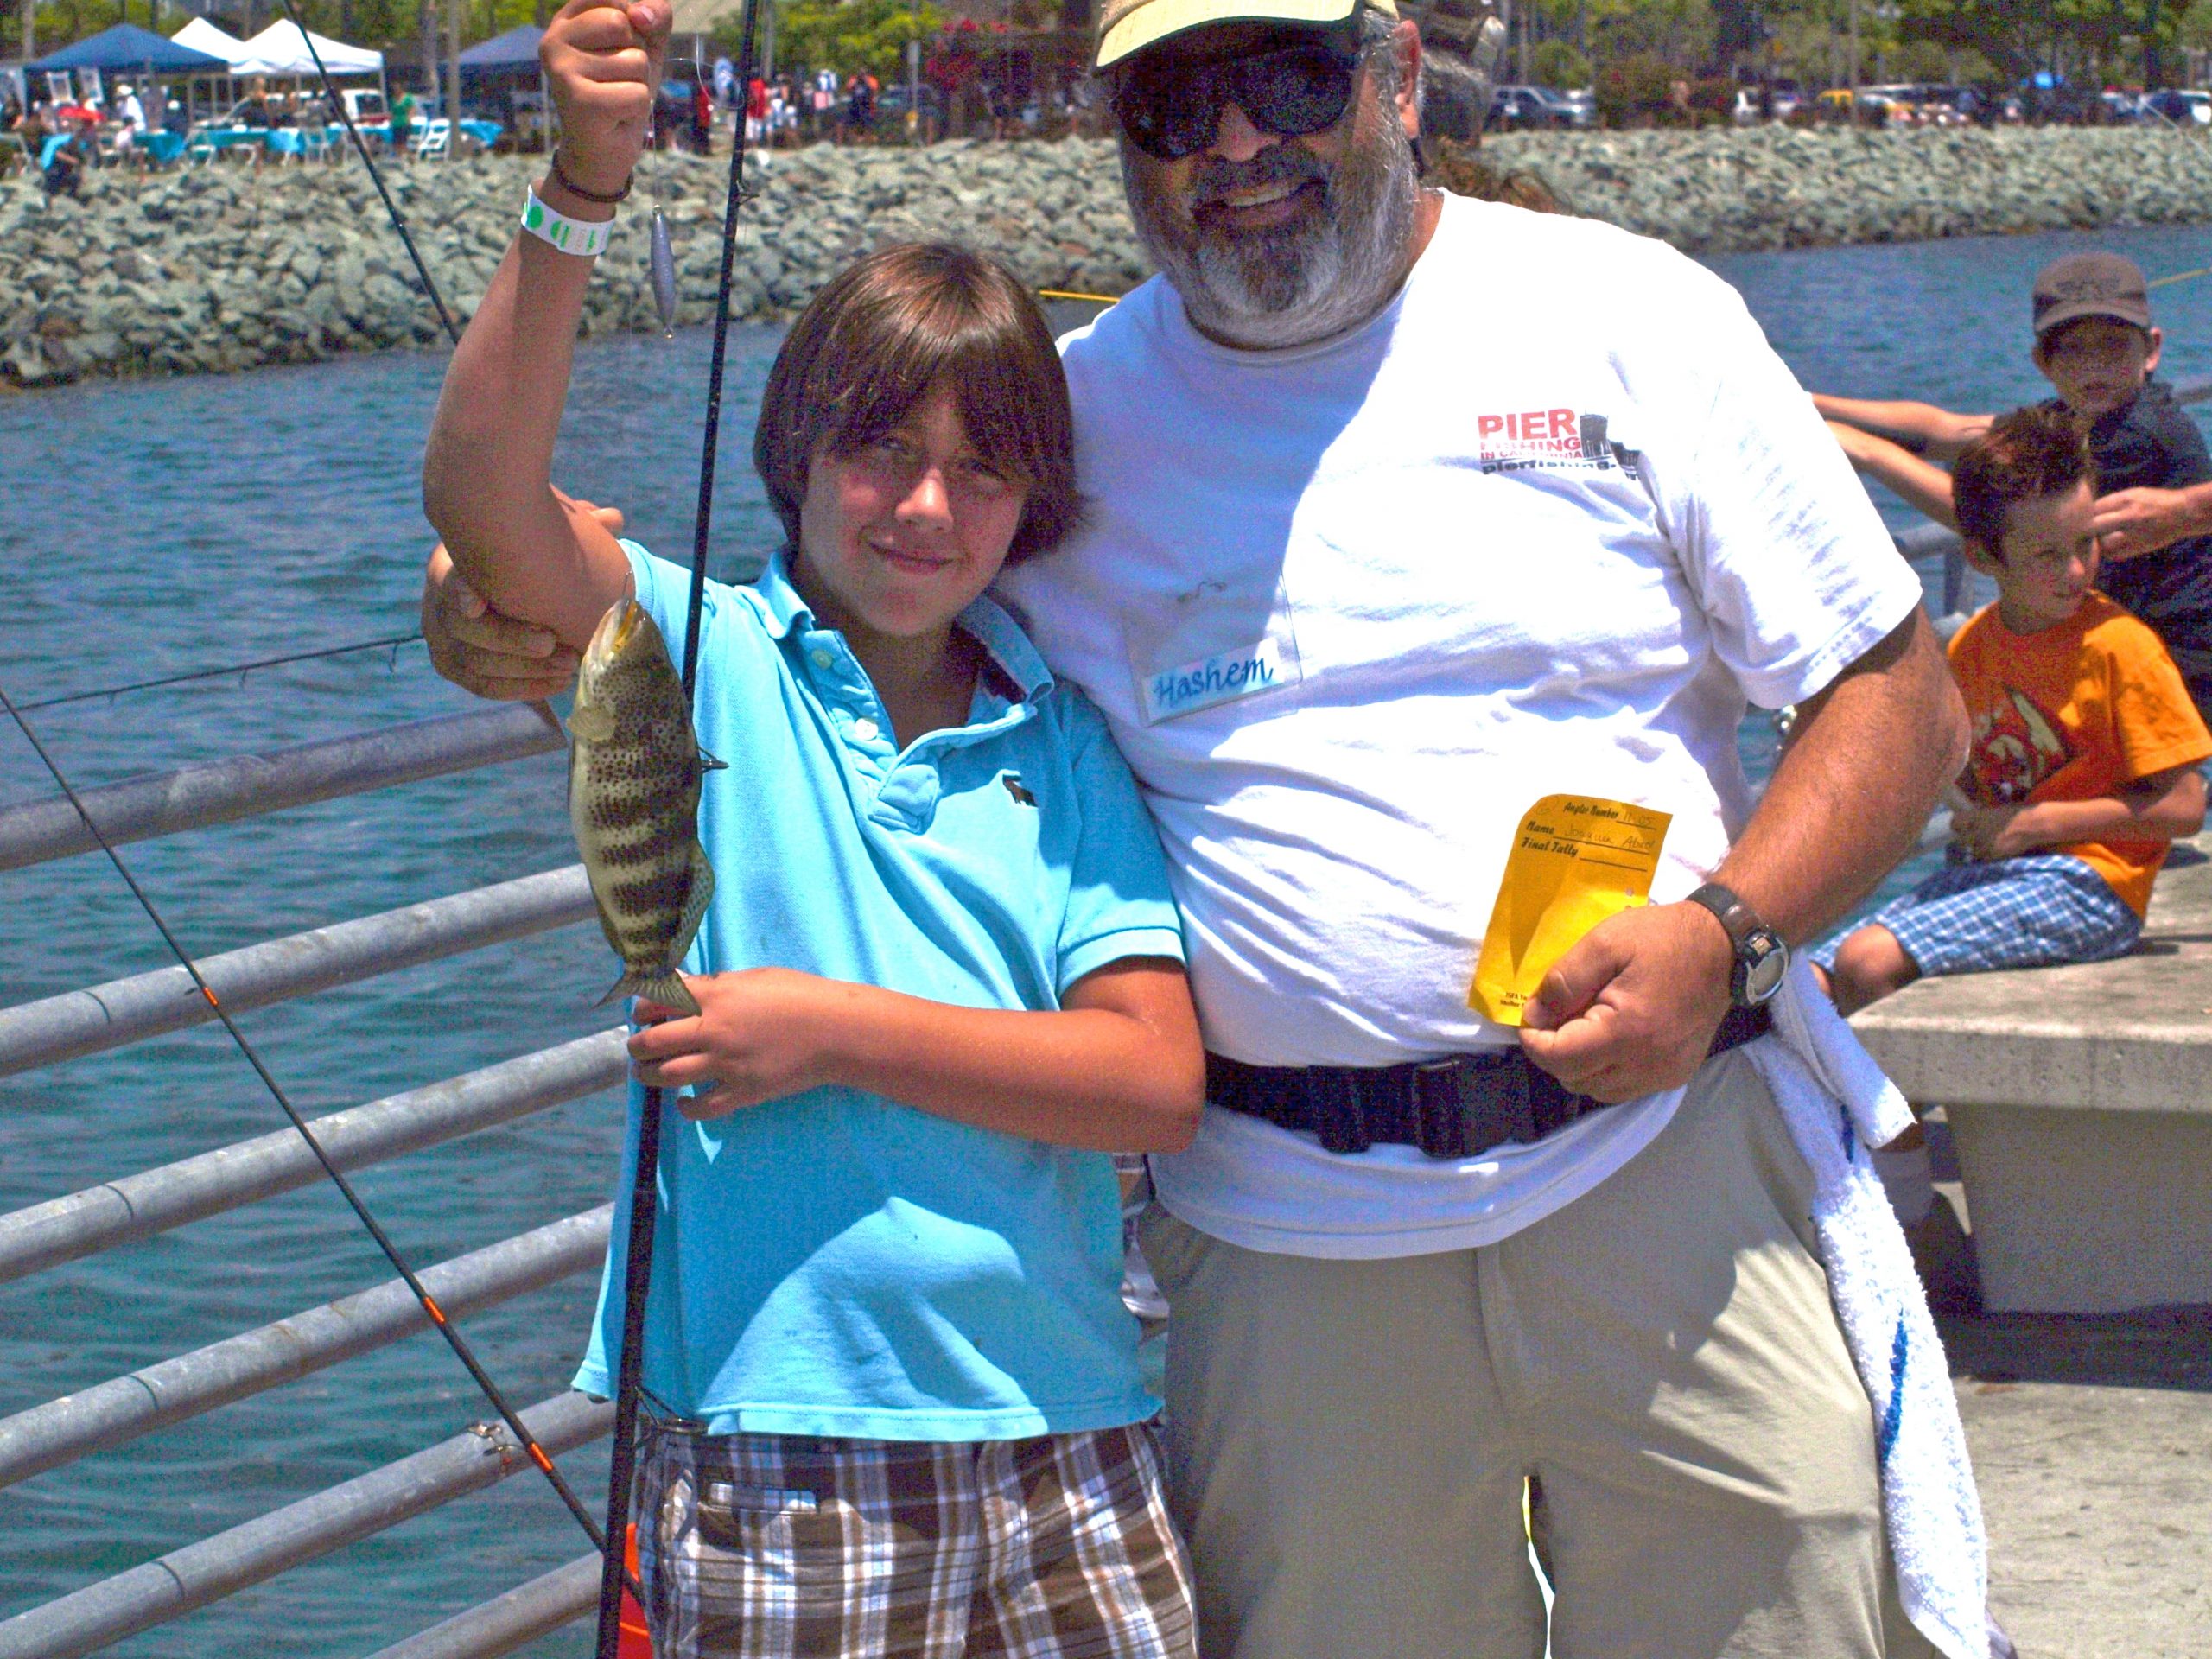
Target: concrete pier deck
<point>2091,1431</point>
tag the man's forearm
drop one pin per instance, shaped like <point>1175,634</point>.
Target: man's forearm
<point>1870,756</point>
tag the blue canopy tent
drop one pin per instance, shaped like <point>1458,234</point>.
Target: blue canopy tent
<point>516,49</point>
<point>126,47</point>
<point>504,74</point>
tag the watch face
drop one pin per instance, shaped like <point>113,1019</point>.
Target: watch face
<point>1766,962</point>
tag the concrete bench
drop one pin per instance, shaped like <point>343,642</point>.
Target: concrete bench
<point>2080,1102</point>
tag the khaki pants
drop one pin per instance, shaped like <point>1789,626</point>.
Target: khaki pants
<point>1348,1440</point>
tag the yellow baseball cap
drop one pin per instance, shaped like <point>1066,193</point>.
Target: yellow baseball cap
<point>1128,26</point>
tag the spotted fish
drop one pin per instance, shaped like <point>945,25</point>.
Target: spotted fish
<point>635,767</point>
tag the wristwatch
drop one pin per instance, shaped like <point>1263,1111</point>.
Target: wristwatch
<point>1762,954</point>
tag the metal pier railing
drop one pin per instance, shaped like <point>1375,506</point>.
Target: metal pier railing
<point>128,1208</point>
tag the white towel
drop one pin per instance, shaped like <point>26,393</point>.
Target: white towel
<point>1838,1103</point>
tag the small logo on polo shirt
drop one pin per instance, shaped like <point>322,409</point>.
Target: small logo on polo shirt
<point>1016,788</point>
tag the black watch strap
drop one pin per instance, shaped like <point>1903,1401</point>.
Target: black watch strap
<point>1762,958</point>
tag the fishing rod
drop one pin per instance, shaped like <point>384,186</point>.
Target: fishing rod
<point>644,1181</point>
<point>535,1453</point>
<point>399,219</point>
<point>391,643</point>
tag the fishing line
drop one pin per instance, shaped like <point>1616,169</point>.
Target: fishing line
<point>392,644</point>
<point>436,1315</point>
<point>399,219</point>
<point>644,1182</point>
<point>1069,294</point>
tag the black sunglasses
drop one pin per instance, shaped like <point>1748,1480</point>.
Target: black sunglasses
<point>1171,107</point>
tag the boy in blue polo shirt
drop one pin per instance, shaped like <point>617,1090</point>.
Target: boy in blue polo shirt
<point>895,1407</point>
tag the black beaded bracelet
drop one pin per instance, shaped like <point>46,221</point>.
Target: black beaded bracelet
<point>562,178</point>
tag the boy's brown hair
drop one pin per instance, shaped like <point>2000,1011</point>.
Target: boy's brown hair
<point>2025,456</point>
<point>885,331</point>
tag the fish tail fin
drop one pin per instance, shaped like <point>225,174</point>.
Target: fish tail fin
<point>708,763</point>
<point>663,986</point>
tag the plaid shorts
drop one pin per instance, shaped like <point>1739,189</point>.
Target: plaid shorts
<point>2032,911</point>
<point>783,1547</point>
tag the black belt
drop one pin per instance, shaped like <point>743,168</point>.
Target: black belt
<point>1456,1107</point>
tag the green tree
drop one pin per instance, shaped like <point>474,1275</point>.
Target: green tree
<point>2098,35</point>
<point>1556,63</point>
<point>847,35</point>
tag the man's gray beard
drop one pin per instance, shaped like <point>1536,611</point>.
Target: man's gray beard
<point>1303,282</point>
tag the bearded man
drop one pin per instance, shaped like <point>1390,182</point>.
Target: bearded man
<point>1404,514</point>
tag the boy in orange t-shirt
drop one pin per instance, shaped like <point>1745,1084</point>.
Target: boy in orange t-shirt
<point>2083,765</point>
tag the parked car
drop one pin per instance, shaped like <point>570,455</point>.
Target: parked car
<point>1516,107</point>
<point>2190,108</point>
<point>1758,103</point>
<point>2125,109</point>
<point>1581,105</point>
<point>365,106</point>
<point>891,111</point>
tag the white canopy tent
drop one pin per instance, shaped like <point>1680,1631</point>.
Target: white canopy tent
<point>282,50</point>
<point>203,36</point>
<point>216,90</point>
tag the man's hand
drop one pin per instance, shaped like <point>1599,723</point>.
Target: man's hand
<point>1632,1007</point>
<point>759,1035</point>
<point>486,653</point>
<point>2131,523</point>
<point>481,651</point>
<point>602,64</point>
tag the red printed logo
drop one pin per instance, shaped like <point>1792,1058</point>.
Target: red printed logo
<point>1548,438</point>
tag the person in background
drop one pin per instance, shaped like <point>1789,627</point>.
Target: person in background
<point>2083,767</point>
<point>130,117</point>
<point>402,121</point>
<point>702,119</point>
<point>2096,344</point>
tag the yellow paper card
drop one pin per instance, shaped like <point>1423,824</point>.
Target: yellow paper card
<point>1576,859</point>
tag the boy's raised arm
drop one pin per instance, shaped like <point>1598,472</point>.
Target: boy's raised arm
<point>1920,429</point>
<point>488,474</point>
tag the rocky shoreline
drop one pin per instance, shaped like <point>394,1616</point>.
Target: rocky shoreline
<point>230,267</point>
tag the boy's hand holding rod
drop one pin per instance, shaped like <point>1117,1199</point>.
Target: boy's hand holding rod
<point>602,65</point>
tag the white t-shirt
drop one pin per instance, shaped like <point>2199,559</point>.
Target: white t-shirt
<point>1540,527</point>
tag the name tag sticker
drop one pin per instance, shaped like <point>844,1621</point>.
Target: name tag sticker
<point>1221,641</point>
<point>1576,859</point>
<point>1212,679</point>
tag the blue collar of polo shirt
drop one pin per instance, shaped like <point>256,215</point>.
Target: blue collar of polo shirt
<point>984,617</point>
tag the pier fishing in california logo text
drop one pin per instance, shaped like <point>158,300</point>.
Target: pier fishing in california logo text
<point>1554,439</point>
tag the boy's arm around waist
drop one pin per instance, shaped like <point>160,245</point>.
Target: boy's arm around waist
<point>1117,1067</point>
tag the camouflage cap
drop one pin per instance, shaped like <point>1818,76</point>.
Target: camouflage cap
<point>1129,26</point>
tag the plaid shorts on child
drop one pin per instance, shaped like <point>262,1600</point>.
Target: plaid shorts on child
<point>2031,912</point>
<point>1053,1547</point>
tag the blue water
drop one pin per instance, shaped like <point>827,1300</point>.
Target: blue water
<point>156,527</point>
